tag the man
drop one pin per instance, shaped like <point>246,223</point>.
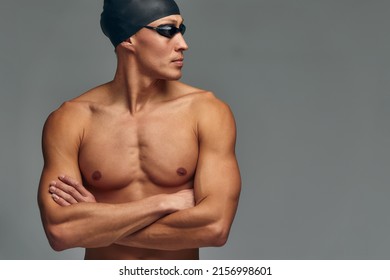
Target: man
<point>142,167</point>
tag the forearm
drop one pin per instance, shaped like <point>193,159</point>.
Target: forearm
<point>97,224</point>
<point>191,228</point>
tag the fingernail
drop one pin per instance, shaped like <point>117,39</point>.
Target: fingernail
<point>61,176</point>
<point>54,196</point>
<point>52,189</point>
<point>53,183</point>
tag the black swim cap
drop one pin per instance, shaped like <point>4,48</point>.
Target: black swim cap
<point>121,19</point>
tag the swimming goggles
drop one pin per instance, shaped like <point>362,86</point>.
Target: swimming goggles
<point>168,30</point>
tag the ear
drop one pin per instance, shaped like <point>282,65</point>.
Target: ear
<point>128,44</point>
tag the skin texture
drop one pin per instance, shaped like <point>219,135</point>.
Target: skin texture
<point>142,167</point>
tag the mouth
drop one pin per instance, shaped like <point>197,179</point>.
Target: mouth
<point>179,61</point>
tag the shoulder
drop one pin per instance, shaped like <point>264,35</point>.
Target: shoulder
<point>211,110</point>
<point>208,100</point>
<point>70,119</point>
<point>214,118</point>
<point>204,102</point>
<point>77,111</point>
<point>69,114</point>
<point>64,129</point>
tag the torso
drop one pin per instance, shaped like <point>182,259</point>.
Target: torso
<point>124,157</point>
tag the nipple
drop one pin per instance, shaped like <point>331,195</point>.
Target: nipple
<point>181,171</point>
<point>96,176</point>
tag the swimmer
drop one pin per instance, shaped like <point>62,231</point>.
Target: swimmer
<point>144,166</point>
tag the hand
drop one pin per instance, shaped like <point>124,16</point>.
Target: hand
<point>68,191</point>
<point>183,199</point>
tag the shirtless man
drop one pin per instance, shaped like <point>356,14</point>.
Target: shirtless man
<point>142,167</point>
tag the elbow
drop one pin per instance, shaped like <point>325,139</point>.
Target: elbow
<point>57,238</point>
<point>218,235</point>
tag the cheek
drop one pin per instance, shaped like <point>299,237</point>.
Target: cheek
<point>152,47</point>
<point>153,56</point>
<point>152,62</point>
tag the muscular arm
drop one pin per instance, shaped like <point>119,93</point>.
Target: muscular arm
<point>216,185</point>
<point>86,224</point>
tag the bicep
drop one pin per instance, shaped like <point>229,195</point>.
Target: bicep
<point>217,181</point>
<point>60,153</point>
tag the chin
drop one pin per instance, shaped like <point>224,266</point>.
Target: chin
<point>173,77</point>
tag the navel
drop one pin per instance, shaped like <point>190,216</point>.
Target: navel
<point>181,171</point>
<point>96,176</point>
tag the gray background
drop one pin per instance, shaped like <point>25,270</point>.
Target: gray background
<point>308,82</point>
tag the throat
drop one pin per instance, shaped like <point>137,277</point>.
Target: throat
<point>136,92</point>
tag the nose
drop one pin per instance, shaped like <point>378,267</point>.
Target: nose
<point>181,44</point>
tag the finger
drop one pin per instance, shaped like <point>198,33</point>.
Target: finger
<point>60,201</point>
<point>58,193</point>
<point>65,192</point>
<point>80,193</point>
<point>74,183</point>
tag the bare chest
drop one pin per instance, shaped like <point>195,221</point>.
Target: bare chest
<point>158,150</point>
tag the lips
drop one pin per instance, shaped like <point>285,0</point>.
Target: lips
<point>178,61</point>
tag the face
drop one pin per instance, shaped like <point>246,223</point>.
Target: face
<point>159,56</point>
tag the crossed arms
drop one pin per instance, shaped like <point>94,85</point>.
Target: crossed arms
<point>187,219</point>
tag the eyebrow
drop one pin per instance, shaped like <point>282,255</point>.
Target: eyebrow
<point>174,21</point>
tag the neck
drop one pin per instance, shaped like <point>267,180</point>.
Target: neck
<point>135,89</point>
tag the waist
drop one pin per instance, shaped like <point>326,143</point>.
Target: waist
<point>118,252</point>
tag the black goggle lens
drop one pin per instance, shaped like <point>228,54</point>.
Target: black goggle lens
<point>168,30</point>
